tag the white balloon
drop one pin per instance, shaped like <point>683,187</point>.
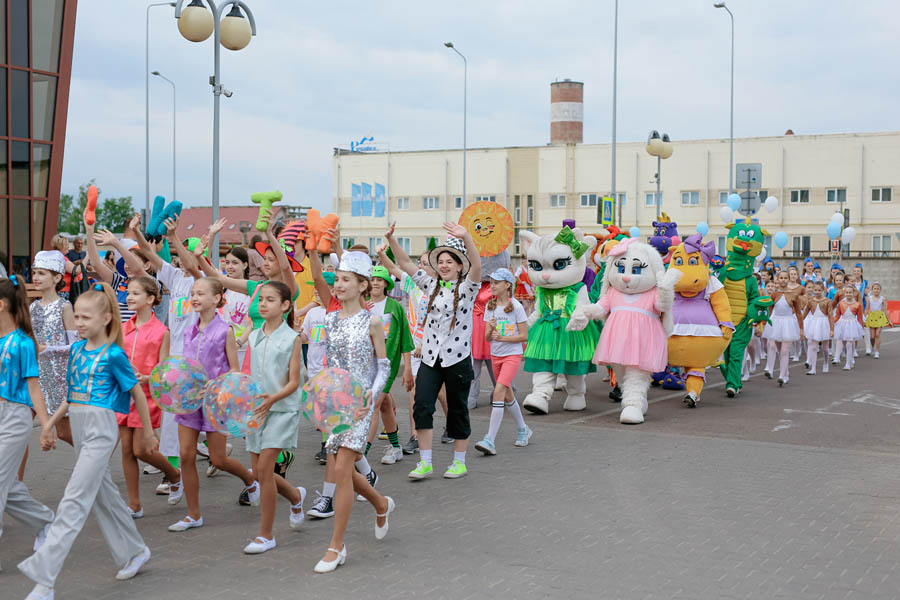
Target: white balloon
<point>771,204</point>
<point>848,235</point>
<point>727,214</point>
<point>838,218</point>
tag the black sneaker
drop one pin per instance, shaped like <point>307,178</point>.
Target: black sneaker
<point>412,446</point>
<point>616,394</point>
<point>321,455</point>
<point>322,509</point>
<point>446,439</point>
<point>281,468</point>
<point>244,498</point>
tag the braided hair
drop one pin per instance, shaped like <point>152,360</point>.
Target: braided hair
<point>437,289</point>
<point>492,303</point>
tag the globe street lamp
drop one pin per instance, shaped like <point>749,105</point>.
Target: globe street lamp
<point>731,151</point>
<point>465,82</point>
<point>196,23</point>
<point>660,147</point>
<point>174,113</point>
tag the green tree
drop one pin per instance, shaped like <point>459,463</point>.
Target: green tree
<point>66,208</point>
<point>113,213</point>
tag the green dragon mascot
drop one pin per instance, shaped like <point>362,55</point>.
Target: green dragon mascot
<point>744,244</point>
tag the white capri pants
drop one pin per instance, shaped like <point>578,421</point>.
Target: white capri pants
<point>95,433</point>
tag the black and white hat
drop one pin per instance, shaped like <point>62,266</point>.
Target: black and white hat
<point>454,246</point>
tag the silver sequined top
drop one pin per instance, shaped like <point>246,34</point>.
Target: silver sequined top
<point>50,331</point>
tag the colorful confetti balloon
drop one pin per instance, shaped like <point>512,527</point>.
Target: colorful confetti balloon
<point>176,384</point>
<point>331,400</point>
<point>229,402</point>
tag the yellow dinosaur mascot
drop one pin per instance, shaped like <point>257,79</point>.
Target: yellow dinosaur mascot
<point>701,315</point>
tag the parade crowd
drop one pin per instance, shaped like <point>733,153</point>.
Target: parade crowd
<point>79,353</point>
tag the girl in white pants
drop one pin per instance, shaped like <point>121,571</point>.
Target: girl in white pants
<point>20,390</point>
<point>101,383</point>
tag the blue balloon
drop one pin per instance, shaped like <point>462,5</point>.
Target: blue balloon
<point>780,239</point>
<point>702,227</point>
<point>833,230</point>
<point>734,201</point>
<point>635,231</point>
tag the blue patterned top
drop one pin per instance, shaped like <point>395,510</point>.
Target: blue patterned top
<point>18,363</point>
<point>102,377</point>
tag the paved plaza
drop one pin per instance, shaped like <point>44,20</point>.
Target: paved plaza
<point>780,493</point>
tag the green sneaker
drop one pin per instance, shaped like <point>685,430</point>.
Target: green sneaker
<point>422,470</point>
<point>455,470</point>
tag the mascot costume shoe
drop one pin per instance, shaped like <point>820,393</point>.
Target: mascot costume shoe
<point>556,266</point>
<point>701,315</point>
<point>637,295</point>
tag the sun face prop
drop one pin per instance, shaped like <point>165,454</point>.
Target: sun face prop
<point>490,225</point>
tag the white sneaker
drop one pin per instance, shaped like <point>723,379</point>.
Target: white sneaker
<point>254,494</point>
<point>868,352</point>
<point>202,450</point>
<point>855,354</point>
<point>297,518</point>
<point>40,592</point>
<point>745,377</point>
<point>151,470</point>
<point>212,470</point>
<point>136,514</point>
<point>134,565</point>
<point>391,456</point>
<point>186,523</point>
<point>259,545</point>
<point>176,492</point>
<point>876,354</point>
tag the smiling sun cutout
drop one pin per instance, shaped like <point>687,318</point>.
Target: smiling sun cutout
<point>490,225</point>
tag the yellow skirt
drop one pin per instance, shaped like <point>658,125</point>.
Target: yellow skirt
<point>877,318</point>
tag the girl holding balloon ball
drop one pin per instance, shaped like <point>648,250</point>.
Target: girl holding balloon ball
<point>146,344</point>
<point>210,341</point>
<point>275,363</point>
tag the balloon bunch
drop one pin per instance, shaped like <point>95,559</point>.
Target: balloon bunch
<point>835,229</point>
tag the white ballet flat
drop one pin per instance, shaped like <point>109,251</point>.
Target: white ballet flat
<point>381,532</point>
<point>324,566</point>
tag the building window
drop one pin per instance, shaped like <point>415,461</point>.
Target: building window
<point>374,242</point>
<point>621,198</point>
<point>723,197</point>
<point>403,203</point>
<point>516,243</point>
<point>836,195</point>
<point>881,194</point>
<point>557,200</point>
<point>530,209</point>
<point>650,199</point>
<point>588,200</point>
<point>690,198</point>
<point>517,210</point>
<point>799,196</point>
<point>485,198</point>
<point>801,244</point>
<point>458,203</point>
<point>404,243</point>
<point>881,243</point>
<point>720,245</point>
<point>347,242</point>
<point>431,203</point>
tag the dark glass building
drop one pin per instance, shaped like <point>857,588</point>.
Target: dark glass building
<point>36,39</point>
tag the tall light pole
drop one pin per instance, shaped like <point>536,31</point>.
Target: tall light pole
<point>233,32</point>
<point>147,109</point>
<point>660,147</point>
<point>613,168</point>
<point>174,129</point>
<point>731,152</point>
<point>465,96</point>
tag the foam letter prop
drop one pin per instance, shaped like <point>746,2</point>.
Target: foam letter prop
<point>90,211</point>
<point>265,201</point>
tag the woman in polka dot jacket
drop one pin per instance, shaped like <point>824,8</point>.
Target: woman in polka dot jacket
<point>447,341</point>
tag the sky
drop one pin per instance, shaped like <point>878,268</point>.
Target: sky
<point>318,75</point>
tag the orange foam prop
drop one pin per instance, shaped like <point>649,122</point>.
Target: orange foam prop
<point>90,211</point>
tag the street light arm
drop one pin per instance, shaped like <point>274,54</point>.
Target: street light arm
<point>219,10</point>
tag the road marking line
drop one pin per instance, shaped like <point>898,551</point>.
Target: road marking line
<point>782,425</point>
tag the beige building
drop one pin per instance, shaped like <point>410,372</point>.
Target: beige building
<point>811,175</point>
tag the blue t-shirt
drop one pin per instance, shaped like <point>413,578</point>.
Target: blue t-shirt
<point>102,377</point>
<point>18,363</point>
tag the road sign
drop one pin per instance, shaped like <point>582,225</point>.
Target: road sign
<point>748,176</point>
<point>750,203</point>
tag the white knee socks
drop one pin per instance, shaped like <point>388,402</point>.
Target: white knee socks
<point>812,355</point>
<point>514,408</point>
<point>496,419</point>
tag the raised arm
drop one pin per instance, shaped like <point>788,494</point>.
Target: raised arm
<point>103,272</point>
<point>106,238</point>
<point>144,246</point>
<point>287,274</point>
<point>403,260</point>
<point>387,263</point>
<point>315,263</point>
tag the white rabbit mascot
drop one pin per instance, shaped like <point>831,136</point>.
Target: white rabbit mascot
<point>636,301</point>
<point>556,267</point>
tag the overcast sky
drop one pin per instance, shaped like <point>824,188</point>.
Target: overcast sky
<point>318,75</point>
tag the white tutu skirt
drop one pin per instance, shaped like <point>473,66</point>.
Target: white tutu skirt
<point>783,329</point>
<point>816,327</point>
<point>848,329</point>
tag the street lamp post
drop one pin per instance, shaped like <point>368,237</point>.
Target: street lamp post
<point>465,96</point>
<point>233,32</point>
<point>147,109</point>
<point>174,129</point>
<point>661,148</point>
<point>731,150</point>
<point>613,168</point>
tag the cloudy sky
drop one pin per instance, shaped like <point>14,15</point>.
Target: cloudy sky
<point>318,75</point>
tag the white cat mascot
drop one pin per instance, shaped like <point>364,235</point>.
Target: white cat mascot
<point>556,267</point>
<point>637,296</point>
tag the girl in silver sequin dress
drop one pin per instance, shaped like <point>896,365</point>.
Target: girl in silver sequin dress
<point>355,342</point>
<point>54,329</point>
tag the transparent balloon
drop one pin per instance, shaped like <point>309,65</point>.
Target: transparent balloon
<point>229,403</point>
<point>331,400</point>
<point>176,384</point>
